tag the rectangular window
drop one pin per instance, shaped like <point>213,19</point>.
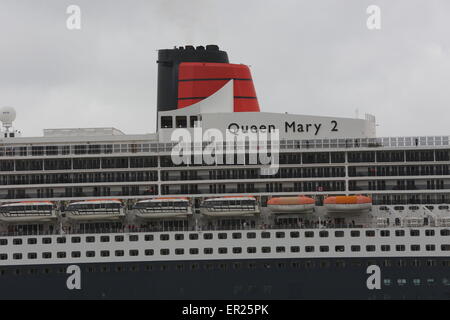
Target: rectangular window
<point>265,235</point>
<point>355,248</point>
<point>415,247</point>
<point>251,235</point>
<point>251,250</point>
<point>265,249</point>
<point>281,249</point>
<point>309,249</point>
<point>295,249</point>
<point>355,233</point>
<point>134,253</point>
<point>193,236</point>
<point>339,234</point>
<point>279,235</point>
<point>370,233</point>
<point>370,248</point>
<point>193,251</point>
<point>339,248</point>
<point>400,247</point>
<point>399,233</point>
<point>295,234</point>
<point>149,252</point>
<point>90,254</point>
<point>119,253</point>
<point>237,250</point>
<point>324,248</point>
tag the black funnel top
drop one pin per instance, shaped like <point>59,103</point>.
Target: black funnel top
<point>168,61</point>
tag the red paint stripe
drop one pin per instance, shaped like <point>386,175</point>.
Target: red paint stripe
<point>199,88</point>
<point>198,70</point>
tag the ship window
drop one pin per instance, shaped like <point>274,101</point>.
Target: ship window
<point>76,254</point>
<point>281,249</point>
<point>445,247</point>
<point>193,120</point>
<point>61,240</point>
<point>193,236</point>
<point>17,241</point>
<point>339,248</point>
<point>47,240</point>
<point>17,256</point>
<point>134,253</point>
<point>251,235</point>
<point>90,239</point>
<point>295,234</point>
<point>208,236</point>
<point>324,249</point>
<point>61,255</point>
<point>181,121</point>
<point>237,250</point>
<point>400,247</point>
<point>401,282</point>
<point>222,236</point>
<point>415,247</point>
<point>370,233</point>
<point>223,250</point>
<point>90,254</point>
<point>309,234</point>
<point>179,236</point>
<point>149,252</point>
<point>295,249</point>
<point>430,247</point>
<point>445,232</point>
<point>279,235</point>
<point>251,250</point>
<point>323,234</point>
<point>104,239</point>
<point>104,253</point>
<point>309,249</point>
<point>370,248</point>
<point>429,233</point>
<point>32,241</point>
<point>32,255</point>
<point>415,233</point>
<point>339,234</point>
<point>265,235</point>
<point>118,239</point>
<point>179,251</point>
<point>399,233</point>
<point>385,247</point>
<point>355,233</point>
<point>164,252</point>
<point>166,122</point>
<point>148,237</point>
<point>3,242</point>
<point>76,239</point>
<point>164,237</point>
<point>134,237</point>
<point>119,253</point>
<point>355,248</point>
<point>416,282</point>
<point>237,235</point>
<point>384,233</point>
<point>193,251</point>
<point>265,249</point>
<point>3,256</point>
<point>208,250</point>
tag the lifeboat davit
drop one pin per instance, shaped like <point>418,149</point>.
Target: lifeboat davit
<point>350,204</point>
<point>299,204</point>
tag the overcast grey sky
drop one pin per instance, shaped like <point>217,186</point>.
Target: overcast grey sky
<point>307,57</point>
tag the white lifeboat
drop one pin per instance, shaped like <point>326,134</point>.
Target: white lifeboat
<point>163,208</point>
<point>348,204</point>
<point>298,204</point>
<point>100,209</point>
<point>232,206</point>
<point>27,211</point>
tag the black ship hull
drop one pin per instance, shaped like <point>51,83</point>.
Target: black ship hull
<point>411,278</point>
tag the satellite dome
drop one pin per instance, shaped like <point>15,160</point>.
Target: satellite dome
<point>7,115</point>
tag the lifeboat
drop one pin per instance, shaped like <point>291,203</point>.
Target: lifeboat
<point>298,204</point>
<point>232,206</point>
<point>348,204</point>
<point>100,210</point>
<point>163,208</point>
<point>27,211</point>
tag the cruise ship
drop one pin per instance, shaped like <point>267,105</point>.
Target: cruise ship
<point>223,201</point>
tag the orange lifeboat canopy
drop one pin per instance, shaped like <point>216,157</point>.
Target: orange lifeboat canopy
<point>291,205</point>
<point>291,200</point>
<point>348,200</point>
<point>348,204</point>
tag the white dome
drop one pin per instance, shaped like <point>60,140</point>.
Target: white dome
<point>7,115</point>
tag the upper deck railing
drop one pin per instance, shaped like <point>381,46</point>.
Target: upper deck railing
<point>13,150</point>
